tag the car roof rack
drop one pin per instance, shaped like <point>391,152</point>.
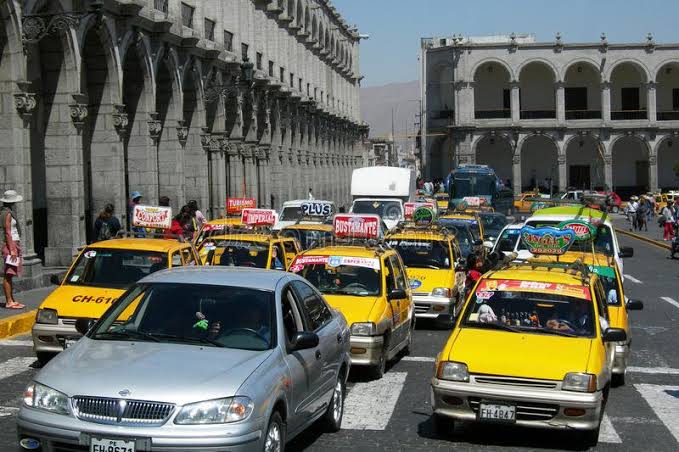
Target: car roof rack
<point>575,268</point>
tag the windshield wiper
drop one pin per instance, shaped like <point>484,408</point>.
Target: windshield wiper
<point>558,332</point>
<point>203,340</point>
<point>128,334</point>
<point>495,326</point>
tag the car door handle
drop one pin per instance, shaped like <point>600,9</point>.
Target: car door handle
<point>339,338</point>
<point>318,354</point>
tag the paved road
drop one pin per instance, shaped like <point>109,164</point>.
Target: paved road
<point>394,413</point>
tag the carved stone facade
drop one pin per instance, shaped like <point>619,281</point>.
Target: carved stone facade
<point>198,99</point>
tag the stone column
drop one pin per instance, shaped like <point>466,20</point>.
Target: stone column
<point>249,161</point>
<point>515,101</point>
<point>651,101</point>
<point>653,172</point>
<point>608,170</point>
<point>516,173</point>
<point>606,102</point>
<point>562,163</point>
<point>236,189</point>
<point>560,102</point>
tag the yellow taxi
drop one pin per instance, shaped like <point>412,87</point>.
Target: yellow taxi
<point>98,276</point>
<point>532,347</point>
<point>442,200</point>
<point>309,235</point>
<point>430,254</point>
<point>254,245</point>
<point>368,284</point>
<point>525,201</point>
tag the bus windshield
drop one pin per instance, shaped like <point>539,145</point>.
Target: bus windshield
<point>473,185</point>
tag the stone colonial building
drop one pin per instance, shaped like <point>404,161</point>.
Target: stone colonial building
<point>191,99</point>
<point>584,115</point>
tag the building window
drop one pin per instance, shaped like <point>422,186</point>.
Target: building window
<point>629,99</point>
<point>228,41</point>
<point>259,61</point>
<point>292,80</point>
<point>315,93</point>
<point>187,15</point>
<point>675,99</point>
<point>209,30</point>
<point>507,99</point>
<point>322,97</point>
<point>160,5</point>
<point>244,51</point>
<point>299,85</point>
<point>270,68</point>
<point>282,74</point>
<point>308,89</point>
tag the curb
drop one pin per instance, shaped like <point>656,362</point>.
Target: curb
<point>645,239</point>
<point>17,324</point>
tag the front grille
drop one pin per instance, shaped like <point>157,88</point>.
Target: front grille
<point>512,381</point>
<point>421,294</point>
<point>421,308</point>
<point>525,411</point>
<point>120,411</point>
<point>68,321</point>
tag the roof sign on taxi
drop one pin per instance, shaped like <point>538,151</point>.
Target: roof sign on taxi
<point>152,217</point>
<point>423,216</point>
<point>258,217</point>
<point>410,207</point>
<point>317,208</point>
<point>236,205</point>
<point>584,231</point>
<point>334,261</point>
<point>357,226</point>
<point>547,240</point>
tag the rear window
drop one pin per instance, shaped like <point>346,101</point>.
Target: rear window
<point>433,254</point>
<point>114,268</point>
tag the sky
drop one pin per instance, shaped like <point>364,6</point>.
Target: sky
<point>395,27</point>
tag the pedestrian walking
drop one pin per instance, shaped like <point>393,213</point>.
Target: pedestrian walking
<point>135,200</point>
<point>10,241</point>
<point>642,215</point>
<point>106,226</point>
<point>668,223</point>
<point>632,213</point>
<point>182,225</point>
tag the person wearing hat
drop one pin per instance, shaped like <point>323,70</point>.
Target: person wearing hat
<point>135,200</point>
<point>10,241</point>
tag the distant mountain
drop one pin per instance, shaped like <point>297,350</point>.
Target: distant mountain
<point>377,102</point>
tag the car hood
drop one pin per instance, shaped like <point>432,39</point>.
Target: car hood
<point>527,355</point>
<point>163,372</point>
<point>425,280</point>
<point>81,301</point>
<point>355,309</point>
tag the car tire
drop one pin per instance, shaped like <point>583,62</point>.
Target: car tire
<point>274,440</point>
<point>408,346</point>
<point>443,425</point>
<point>377,371</point>
<point>44,357</point>
<point>618,380</point>
<point>332,420</point>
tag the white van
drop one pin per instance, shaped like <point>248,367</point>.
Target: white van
<point>382,190</point>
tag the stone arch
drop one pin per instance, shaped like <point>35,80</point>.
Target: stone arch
<point>593,64</point>
<point>667,152</point>
<point>639,65</point>
<point>667,80</point>
<point>107,36</point>
<point>585,162</point>
<point>11,24</point>
<point>139,42</point>
<point>496,151</point>
<point>628,90</point>
<point>440,92</point>
<point>300,14</point>
<point>314,27</point>
<point>492,90</point>
<point>193,118</point>
<point>539,163</point>
<point>477,66</point>
<point>582,82</point>
<point>631,169</point>
<point>537,79</point>
<point>531,61</point>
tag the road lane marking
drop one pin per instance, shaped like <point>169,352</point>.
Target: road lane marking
<point>7,411</point>
<point>419,359</point>
<point>653,370</point>
<point>369,406</point>
<point>671,301</point>
<point>664,401</point>
<point>633,279</point>
<point>16,343</point>
<point>15,366</point>
<point>607,434</point>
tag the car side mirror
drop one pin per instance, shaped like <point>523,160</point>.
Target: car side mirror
<point>614,335</point>
<point>83,325</point>
<point>634,305</point>
<point>396,294</point>
<point>56,278</point>
<point>304,341</point>
<point>626,251</point>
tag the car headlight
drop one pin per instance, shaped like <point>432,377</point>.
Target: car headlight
<point>45,398</point>
<point>47,315</point>
<point>441,292</point>
<point>363,329</point>
<point>579,382</point>
<point>218,411</point>
<point>450,370</point>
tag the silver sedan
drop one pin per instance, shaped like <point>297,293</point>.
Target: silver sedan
<point>195,359</point>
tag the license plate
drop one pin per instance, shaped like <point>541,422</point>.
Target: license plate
<point>497,412</point>
<point>111,445</point>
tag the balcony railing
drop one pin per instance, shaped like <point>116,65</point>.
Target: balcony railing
<point>668,116</point>
<point>583,114</point>
<point>538,114</point>
<point>493,114</point>
<point>628,115</point>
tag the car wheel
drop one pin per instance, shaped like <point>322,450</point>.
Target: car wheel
<point>44,357</point>
<point>443,425</point>
<point>377,371</point>
<point>406,349</point>
<point>332,421</point>
<point>274,441</point>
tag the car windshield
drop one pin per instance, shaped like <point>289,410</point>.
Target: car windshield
<point>603,243</point>
<point>472,225</point>
<point>463,234</point>
<point>236,253</point>
<point>291,213</point>
<point>195,314</point>
<point>508,239</point>
<point>309,238</point>
<point>114,268</point>
<point>537,312</point>
<point>492,224</point>
<point>416,253</point>
<point>388,210</point>
<point>344,279</point>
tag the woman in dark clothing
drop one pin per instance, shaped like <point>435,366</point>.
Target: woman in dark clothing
<point>106,226</point>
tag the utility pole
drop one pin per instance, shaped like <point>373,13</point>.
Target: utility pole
<point>393,135</point>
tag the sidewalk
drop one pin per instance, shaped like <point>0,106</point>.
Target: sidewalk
<point>654,232</point>
<point>20,321</point>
